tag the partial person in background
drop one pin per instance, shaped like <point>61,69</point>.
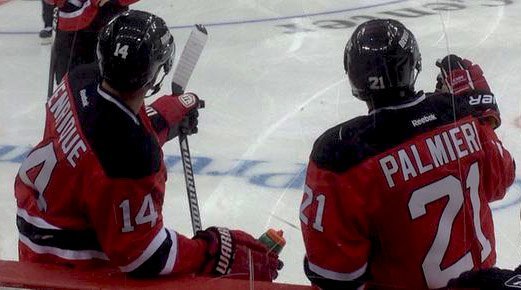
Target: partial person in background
<point>90,194</point>
<point>399,198</point>
<point>79,22</point>
<point>47,16</point>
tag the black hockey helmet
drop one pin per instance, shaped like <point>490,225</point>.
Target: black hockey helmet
<point>382,60</point>
<point>133,48</point>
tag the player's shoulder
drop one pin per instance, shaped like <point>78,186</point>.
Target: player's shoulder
<point>343,145</point>
<point>82,76</point>
<point>351,143</point>
<point>119,140</point>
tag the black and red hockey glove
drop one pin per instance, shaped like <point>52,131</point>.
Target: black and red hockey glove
<point>489,279</point>
<point>460,76</point>
<point>180,112</point>
<point>234,253</point>
<point>189,104</point>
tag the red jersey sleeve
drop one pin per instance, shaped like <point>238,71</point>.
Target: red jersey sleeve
<point>127,218</point>
<point>499,165</point>
<point>335,228</point>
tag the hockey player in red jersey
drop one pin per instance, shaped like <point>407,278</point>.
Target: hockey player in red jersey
<point>90,194</point>
<point>398,198</point>
<point>78,25</point>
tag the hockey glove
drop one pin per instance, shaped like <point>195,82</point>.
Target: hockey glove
<point>493,278</point>
<point>236,254</point>
<point>459,76</point>
<point>179,112</point>
<point>462,78</point>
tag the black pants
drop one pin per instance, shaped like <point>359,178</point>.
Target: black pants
<point>72,49</point>
<point>47,14</point>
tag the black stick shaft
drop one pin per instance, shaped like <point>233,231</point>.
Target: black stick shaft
<point>184,69</point>
<point>190,184</point>
<point>52,62</point>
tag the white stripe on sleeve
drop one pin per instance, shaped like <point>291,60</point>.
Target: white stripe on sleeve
<point>62,253</point>
<point>338,276</point>
<point>172,255</point>
<point>147,253</point>
<point>35,221</point>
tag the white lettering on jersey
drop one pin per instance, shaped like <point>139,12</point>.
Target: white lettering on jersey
<point>443,148</point>
<point>69,139</point>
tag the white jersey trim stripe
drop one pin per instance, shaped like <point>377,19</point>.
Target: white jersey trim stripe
<point>77,12</point>
<point>172,255</point>
<point>406,105</point>
<point>76,3</point>
<point>118,104</point>
<point>64,254</point>
<point>147,253</point>
<point>35,221</point>
<point>338,276</point>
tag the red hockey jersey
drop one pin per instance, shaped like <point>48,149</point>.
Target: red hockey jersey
<point>399,199</point>
<point>90,194</point>
<point>74,15</point>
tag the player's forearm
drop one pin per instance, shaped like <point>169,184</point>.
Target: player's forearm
<point>499,166</point>
<point>125,2</point>
<point>167,253</point>
<point>165,117</point>
<point>191,255</point>
<point>326,283</point>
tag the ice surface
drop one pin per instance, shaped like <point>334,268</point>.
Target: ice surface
<point>272,79</point>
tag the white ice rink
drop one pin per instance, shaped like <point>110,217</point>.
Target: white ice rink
<point>273,81</point>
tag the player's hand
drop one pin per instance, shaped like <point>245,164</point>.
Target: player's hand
<point>188,105</point>
<point>493,278</point>
<point>57,3</point>
<point>460,76</point>
<point>233,253</point>
<point>180,113</point>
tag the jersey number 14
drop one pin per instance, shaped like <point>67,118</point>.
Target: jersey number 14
<point>146,214</point>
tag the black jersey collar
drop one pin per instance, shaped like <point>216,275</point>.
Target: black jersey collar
<point>119,104</point>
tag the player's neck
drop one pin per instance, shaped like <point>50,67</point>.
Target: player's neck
<point>134,100</point>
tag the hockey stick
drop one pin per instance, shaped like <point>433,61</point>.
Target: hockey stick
<point>187,61</point>
<point>52,62</point>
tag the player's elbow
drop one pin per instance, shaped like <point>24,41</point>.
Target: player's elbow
<point>156,259</point>
<point>327,283</point>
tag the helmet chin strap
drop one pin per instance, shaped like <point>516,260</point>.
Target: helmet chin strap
<point>418,70</point>
<point>155,88</point>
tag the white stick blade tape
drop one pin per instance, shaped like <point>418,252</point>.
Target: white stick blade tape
<point>189,57</point>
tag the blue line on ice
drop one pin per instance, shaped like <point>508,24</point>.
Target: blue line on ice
<point>240,22</point>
